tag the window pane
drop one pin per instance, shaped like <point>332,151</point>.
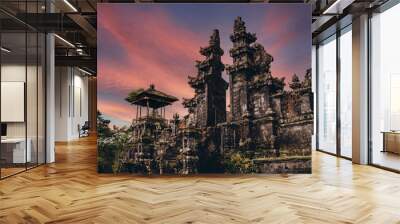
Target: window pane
<point>22,88</point>
<point>385,86</point>
<point>346,93</point>
<point>14,153</point>
<point>31,97</point>
<point>327,95</point>
<point>41,98</point>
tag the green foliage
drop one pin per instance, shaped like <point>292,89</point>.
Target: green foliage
<point>105,157</point>
<point>111,151</point>
<point>239,163</point>
<point>103,129</point>
<point>121,140</point>
<point>111,144</point>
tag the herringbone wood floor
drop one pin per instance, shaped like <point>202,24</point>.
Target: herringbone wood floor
<point>70,191</point>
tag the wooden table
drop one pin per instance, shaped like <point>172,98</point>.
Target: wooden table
<point>391,141</point>
<point>13,150</point>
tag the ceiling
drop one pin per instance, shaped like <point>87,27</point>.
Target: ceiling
<point>74,22</point>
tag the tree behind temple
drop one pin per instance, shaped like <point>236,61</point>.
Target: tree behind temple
<point>103,129</point>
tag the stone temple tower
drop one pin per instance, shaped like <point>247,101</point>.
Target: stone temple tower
<point>252,88</point>
<point>241,70</point>
<point>209,103</point>
<point>208,106</point>
<point>239,73</point>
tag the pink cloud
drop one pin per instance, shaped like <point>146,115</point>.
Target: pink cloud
<point>279,24</point>
<point>148,57</point>
<point>155,56</point>
<point>116,110</point>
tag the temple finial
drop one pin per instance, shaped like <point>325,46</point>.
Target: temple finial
<point>214,38</point>
<point>239,25</point>
<point>295,84</point>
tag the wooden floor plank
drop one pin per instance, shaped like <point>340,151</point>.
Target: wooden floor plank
<point>71,191</point>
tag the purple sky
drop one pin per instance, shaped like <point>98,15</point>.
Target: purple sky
<point>143,44</point>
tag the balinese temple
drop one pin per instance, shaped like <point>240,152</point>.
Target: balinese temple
<point>269,125</point>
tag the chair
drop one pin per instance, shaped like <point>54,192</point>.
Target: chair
<point>84,130</point>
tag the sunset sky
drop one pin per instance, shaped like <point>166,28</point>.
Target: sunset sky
<point>143,44</point>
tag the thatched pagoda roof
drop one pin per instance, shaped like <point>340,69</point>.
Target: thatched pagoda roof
<point>151,97</point>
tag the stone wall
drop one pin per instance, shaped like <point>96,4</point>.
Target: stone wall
<point>290,165</point>
<point>295,138</point>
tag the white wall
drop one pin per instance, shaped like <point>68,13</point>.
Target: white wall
<point>33,126</point>
<point>80,110</point>
<point>71,103</point>
<point>12,101</point>
<point>12,73</point>
<point>17,73</point>
<point>62,81</point>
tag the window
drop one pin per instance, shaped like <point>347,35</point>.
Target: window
<point>345,43</point>
<point>385,89</point>
<point>22,88</point>
<point>327,95</point>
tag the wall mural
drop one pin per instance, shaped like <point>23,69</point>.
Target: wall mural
<point>246,107</point>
